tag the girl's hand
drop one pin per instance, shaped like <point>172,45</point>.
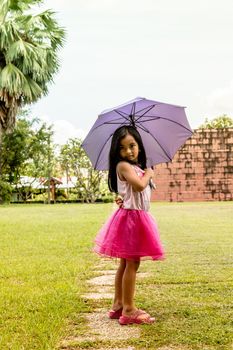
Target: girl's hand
<point>149,172</point>
<point>119,201</point>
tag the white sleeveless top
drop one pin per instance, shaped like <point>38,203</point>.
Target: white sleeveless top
<point>132,199</point>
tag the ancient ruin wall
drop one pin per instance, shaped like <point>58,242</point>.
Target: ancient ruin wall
<point>202,169</point>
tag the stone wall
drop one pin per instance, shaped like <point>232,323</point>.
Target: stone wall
<point>202,169</point>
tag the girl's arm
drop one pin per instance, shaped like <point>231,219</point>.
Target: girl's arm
<point>126,172</point>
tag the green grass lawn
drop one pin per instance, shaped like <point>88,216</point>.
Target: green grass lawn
<point>45,261</point>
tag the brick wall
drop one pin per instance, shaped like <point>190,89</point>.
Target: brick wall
<point>202,169</point>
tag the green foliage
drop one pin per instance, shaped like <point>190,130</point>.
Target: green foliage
<point>41,160</point>
<point>5,191</point>
<point>27,150</point>
<point>15,150</point>
<point>91,184</point>
<point>220,122</point>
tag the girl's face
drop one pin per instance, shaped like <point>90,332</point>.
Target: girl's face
<point>129,149</point>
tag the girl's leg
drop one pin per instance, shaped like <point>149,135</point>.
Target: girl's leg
<point>117,304</point>
<point>128,286</point>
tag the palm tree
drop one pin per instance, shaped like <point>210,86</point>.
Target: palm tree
<point>29,46</point>
<point>28,56</point>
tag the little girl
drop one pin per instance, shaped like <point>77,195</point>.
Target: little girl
<point>130,233</point>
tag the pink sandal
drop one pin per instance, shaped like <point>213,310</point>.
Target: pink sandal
<point>115,314</point>
<point>135,318</point>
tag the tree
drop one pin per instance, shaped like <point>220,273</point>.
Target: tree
<point>25,152</point>
<point>15,150</point>
<point>91,184</point>
<point>220,122</point>
<point>29,46</point>
<point>5,191</point>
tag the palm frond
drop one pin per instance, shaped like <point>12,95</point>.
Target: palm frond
<point>31,90</point>
<point>21,48</point>
<point>44,28</point>
<point>12,79</point>
<point>9,33</point>
<point>4,5</point>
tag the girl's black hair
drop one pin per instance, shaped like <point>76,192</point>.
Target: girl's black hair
<point>114,154</point>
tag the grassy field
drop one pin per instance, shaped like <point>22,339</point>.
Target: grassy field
<point>45,261</point>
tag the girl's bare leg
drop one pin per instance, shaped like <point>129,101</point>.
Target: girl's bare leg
<point>128,286</point>
<point>117,303</point>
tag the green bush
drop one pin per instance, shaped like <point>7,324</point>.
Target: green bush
<point>5,191</point>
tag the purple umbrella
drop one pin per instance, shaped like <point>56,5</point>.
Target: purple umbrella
<point>164,128</point>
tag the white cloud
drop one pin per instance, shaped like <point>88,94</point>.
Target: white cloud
<point>63,130</point>
<point>220,101</point>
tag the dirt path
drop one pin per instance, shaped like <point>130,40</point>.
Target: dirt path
<point>100,327</point>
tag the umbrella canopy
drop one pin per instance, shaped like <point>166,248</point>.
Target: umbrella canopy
<point>163,127</point>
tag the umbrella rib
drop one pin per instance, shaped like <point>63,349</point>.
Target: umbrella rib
<point>170,120</point>
<point>142,115</point>
<point>142,127</point>
<point>128,117</point>
<point>150,107</point>
<point>125,115</point>
<point>122,115</point>
<point>113,123</point>
<point>149,120</point>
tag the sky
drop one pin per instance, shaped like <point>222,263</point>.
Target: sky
<point>173,51</point>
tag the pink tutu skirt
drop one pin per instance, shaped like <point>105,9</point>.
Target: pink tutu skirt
<point>129,234</point>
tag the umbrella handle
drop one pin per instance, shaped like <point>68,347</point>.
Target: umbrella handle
<point>151,182</point>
